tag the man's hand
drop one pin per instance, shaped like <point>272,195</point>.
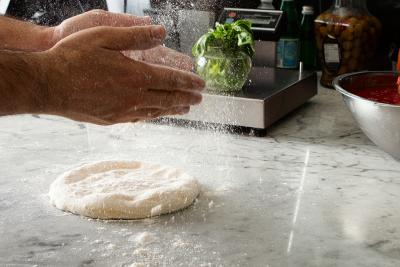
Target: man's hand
<point>88,79</point>
<point>85,76</point>
<point>19,35</point>
<point>95,18</point>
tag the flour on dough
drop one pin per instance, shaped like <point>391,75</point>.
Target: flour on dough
<point>123,190</point>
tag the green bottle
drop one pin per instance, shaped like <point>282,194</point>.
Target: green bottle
<point>307,39</point>
<point>288,49</point>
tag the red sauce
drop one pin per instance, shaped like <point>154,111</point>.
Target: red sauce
<point>378,88</point>
<point>381,95</point>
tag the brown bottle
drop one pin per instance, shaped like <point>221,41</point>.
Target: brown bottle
<point>347,36</point>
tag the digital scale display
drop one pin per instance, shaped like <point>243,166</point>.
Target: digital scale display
<point>262,20</point>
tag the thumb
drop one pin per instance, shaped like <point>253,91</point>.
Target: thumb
<point>127,38</point>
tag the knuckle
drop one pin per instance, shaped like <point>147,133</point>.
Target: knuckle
<point>98,17</point>
<point>164,100</point>
<point>147,75</point>
<point>100,30</point>
<point>185,110</point>
<point>97,12</point>
<point>147,32</point>
<point>181,99</point>
<point>141,35</point>
<point>170,99</point>
<point>172,79</point>
<point>198,98</point>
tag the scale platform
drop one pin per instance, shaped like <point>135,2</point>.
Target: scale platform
<point>269,95</point>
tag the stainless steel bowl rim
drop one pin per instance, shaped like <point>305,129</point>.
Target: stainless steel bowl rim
<point>341,90</point>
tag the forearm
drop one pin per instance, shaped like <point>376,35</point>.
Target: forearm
<point>24,36</point>
<point>21,90</point>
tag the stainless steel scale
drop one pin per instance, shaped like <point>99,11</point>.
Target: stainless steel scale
<point>269,94</point>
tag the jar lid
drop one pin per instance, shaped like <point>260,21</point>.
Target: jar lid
<point>307,10</point>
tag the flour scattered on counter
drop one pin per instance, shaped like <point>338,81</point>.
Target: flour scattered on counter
<point>223,189</point>
<point>111,246</point>
<point>141,252</point>
<point>143,239</point>
<point>180,244</point>
<point>211,204</point>
<point>125,233</point>
<point>95,242</point>
<point>149,221</point>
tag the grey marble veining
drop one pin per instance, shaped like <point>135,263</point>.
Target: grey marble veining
<point>314,192</point>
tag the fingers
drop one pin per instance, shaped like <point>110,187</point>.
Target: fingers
<point>104,18</point>
<point>139,115</point>
<point>152,113</point>
<point>166,78</point>
<point>162,56</point>
<point>122,38</point>
<point>170,99</point>
<point>168,57</point>
<point>149,114</point>
<point>137,38</point>
<point>96,18</point>
<point>181,111</point>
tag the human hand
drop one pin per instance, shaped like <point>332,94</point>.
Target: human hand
<point>162,56</point>
<point>87,78</point>
<point>95,18</point>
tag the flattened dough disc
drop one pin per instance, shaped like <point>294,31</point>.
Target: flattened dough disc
<point>123,190</point>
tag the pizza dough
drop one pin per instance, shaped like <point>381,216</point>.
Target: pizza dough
<point>123,190</point>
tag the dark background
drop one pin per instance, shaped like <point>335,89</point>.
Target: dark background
<point>55,11</point>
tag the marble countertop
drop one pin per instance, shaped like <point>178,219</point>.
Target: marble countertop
<point>313,192</point>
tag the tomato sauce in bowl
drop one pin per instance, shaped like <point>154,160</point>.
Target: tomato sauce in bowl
<point>386,95</point>
<point>377,89</point>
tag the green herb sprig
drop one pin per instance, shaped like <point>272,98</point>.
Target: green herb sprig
<point>230,37</point>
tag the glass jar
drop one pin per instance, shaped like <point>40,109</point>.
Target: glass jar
<point>223,71</point>
<point>347,36</point>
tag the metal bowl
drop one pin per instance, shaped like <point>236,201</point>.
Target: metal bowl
<point>379,121</point>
